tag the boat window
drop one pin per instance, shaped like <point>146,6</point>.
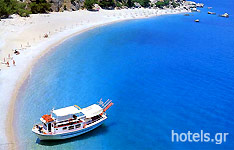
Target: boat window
<point>61,125</point>
<point>95,118</point>
<point>78,125</point>
<point>74,116</point>
<point>71,127</point>
<point>49,127</point>
<point>64,128</point>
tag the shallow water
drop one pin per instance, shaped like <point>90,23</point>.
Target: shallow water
<point>164,73</point>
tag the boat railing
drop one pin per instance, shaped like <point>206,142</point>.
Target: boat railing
<point>104,104</point>
<point>73,122</point>
<point>94,120</point>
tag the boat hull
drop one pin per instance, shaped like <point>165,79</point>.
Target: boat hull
<point>69,134</point>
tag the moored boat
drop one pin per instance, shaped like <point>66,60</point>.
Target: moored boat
<point>226,15</point>
<point>200,5</point>
<point>71,121</point>
<point>212,13</point>
<point>197,20</point>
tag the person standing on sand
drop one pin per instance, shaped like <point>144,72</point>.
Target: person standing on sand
<point>14,62</point>
<point>8,65</point>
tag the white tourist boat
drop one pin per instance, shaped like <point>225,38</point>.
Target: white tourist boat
<point>71,121</point>
<point>226,15</point>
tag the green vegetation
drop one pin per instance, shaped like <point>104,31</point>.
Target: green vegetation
<point>174,4</point>
<point>5,11</point>
<point>64,7</point>
<point>40,6</point>
<point>118,4</point>
<point>89,4</point>
<point>162,4</point>
<point>143,3</point>
<point>107,4</point>
<point>9,7</point>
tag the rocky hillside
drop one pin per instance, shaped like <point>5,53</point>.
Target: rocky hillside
<point>26,7</point>
<point>70,5</point>
<point>61,5</point>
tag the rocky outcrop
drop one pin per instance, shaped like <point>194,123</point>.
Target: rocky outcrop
<point>137,5</point>
<point>70,5</point>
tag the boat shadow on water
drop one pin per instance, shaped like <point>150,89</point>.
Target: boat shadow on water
<point>103,129</point>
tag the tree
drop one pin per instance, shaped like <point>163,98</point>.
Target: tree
<point>89,4</point>
<point>162,4</point>
<point>106,4</point>
<point>118,4</point>
<point>5,11</point>
<point>40,6</point>
<point>9,7</point>
<point>130,3</point>
<point>143,3</point>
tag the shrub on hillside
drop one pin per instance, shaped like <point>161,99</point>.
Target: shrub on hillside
<point>89,4</point>
<point>162,4</point>
<point>143,3</point>
<point>5,11</point>
<point>9,7</point>
<point>40,6</point>
<point>107,4</point>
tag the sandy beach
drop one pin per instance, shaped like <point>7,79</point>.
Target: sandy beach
<point>33,37</point>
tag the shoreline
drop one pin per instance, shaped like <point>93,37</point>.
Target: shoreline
<point>11,137</point>
<point>45,47</point>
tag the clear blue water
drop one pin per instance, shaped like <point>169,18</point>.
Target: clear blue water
<point>164,73</point>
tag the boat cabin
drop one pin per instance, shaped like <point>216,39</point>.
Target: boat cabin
<point>70,118</point>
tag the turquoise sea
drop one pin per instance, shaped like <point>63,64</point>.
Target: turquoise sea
<point>163,73</point>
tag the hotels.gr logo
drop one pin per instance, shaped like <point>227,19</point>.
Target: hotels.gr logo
<point>218,138</point>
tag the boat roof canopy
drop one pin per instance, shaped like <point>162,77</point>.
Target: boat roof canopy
<point>89,112</point>
<point>46,118</point>
<point>92,110</point>
<point>66,111</point>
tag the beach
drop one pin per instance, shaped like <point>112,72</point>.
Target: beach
<point>35,36</point>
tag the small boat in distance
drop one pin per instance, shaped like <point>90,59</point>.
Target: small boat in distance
<point>71,121</point>
<point>226,15</point>
<point>200,5</point>
<point>209,7</point>
<point>212,13</point>
<point>197,20</point>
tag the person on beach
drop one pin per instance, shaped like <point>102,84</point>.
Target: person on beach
<point>14,62</point>
<point>46,35</point>
<point>8,65</point>
<point>16,52</point>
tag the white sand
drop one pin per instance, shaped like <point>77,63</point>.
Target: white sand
<point>26,35</point>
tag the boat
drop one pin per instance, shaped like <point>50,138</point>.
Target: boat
<point>71,121</point>
<point>186,15</point>
<point>209,7</point>
<point>194,9</point>
<point>225,15</point>
<point>200,5</point>
<point>212,13</point>
<point>197,20</point>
